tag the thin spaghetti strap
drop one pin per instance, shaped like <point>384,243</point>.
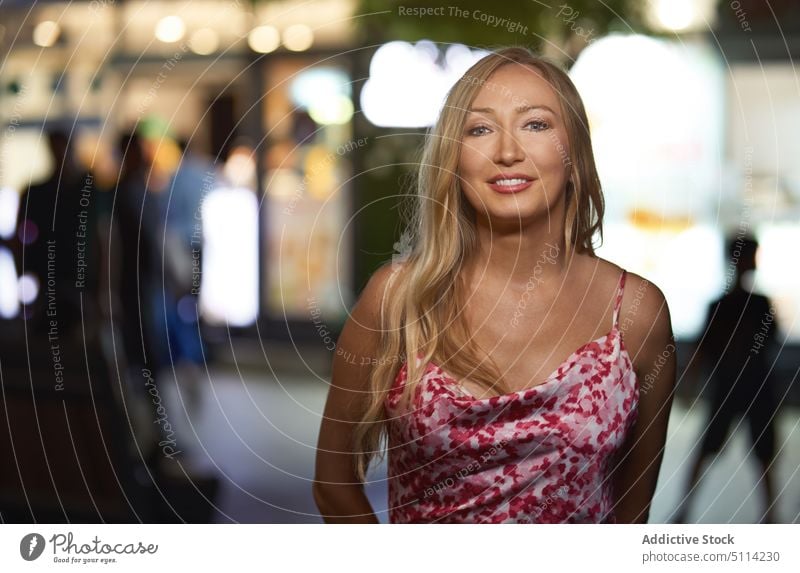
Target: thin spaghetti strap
<point>618,300</point>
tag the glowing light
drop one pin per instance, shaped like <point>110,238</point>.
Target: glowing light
<point>9,303</point>
<point>264,39</point>
<point>204,41</point>
<point>170,29</point>
<point>325,93</point>
<point>407,84</point>
<point>28,232</point>
<point>229,284</point>
<point>9,205</point>
<point>318,83</point>
<point>334,110</point>
<point>668,203</point>
<point>668,147</point>
<point>675,15</point>
<point>298,37</point>
<point>46,33</point>
<point>28,288</point>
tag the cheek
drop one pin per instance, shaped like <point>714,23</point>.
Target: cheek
<point>470,174</point>
<point>553,155</point>
<point>471,161</point>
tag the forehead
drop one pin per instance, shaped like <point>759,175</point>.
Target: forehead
<point>513,85</point>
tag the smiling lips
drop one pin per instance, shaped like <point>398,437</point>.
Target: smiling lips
<point>510,183</point>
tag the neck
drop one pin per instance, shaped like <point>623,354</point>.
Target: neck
<point>516,256</point>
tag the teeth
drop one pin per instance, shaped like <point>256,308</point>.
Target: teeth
<point>509,182</point>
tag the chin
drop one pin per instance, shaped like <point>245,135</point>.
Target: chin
<point>509,219</point>
<point>513,210</point>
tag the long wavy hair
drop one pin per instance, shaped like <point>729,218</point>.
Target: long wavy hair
<point>420,312</point>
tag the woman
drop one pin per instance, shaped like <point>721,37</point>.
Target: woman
<point>447,353</point>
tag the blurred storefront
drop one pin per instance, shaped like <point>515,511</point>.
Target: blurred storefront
<point>264,86</point>
<point>693,123</point>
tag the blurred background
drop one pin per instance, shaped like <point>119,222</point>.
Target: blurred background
<point>192,195</point>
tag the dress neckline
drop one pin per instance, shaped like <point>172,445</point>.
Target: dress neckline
<point>553,377</point>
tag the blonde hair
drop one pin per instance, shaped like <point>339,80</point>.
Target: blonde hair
<point>421,310</point>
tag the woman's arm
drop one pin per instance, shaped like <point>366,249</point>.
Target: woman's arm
<point>338,493</point>
<point>648,338</point>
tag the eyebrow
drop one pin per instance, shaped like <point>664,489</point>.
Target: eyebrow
<point>520,109</point>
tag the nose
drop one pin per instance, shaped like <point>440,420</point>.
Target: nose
<point>508,150</point>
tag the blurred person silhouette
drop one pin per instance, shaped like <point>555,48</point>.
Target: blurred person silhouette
<point>180,342</point>
<point>134,212</point>
<point>136,239</point>
<point>166,272</point>
<point>57,243</point>
<point>739,327</point>
<point>144,293</point>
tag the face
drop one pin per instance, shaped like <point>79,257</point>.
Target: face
<point>514,162</point>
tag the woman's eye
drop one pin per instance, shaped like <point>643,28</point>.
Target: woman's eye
<point>477,130</point>
<point>538,125</point>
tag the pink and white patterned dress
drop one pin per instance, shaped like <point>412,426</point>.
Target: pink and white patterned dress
<point>541,455</point>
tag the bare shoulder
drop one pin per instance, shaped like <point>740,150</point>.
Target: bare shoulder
<point>359,342</point>
<point>644,318</point>
<point>645,322</point>
<point>372,297</point>
<point>600,272</point>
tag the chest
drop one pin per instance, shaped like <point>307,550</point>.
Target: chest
<point>530,339</point>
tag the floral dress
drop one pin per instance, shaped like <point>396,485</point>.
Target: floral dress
<point>540,455</point>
